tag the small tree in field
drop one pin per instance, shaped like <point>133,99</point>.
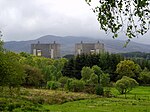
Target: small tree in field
<point>125,85</point>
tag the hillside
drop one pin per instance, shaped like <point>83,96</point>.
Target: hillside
<point>68,44</point>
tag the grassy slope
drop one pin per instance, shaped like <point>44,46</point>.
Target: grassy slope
<point>41,100</point>
<point>32,100</point>
<point>137,101</point>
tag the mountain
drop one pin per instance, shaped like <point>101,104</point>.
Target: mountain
<point>68,44</point>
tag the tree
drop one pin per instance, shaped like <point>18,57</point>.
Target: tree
<point>86,73</point>
<point>33,77</point>
<point>11,71</point>
<point>144,76</point>
<point>93,79</point>
<point>128,68</point>
<point>125,85</point>
<point>69,68</point>
<point>97,70</point>
<point>115,15</point>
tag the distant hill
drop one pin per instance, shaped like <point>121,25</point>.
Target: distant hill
<point>68,44</point>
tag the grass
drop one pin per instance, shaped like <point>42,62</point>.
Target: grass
<point>141,92</point>
<point>137,100</point>
<point>102,105</point>
<point>33,100</point>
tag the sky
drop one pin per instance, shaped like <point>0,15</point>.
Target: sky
<point>31,19</point>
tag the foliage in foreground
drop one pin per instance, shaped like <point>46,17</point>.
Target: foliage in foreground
<point>112,14</point>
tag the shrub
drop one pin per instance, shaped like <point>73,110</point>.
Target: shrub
<point>63,81</point>
<point>99,90</point>
<point>53,85</point>
<point>34,77</point>
<point>107,92</point>
<point>89,89</point>
<point>75,85</point>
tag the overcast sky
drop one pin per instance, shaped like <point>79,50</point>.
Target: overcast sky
<point>31,19</point>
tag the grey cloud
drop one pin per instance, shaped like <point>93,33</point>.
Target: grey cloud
<point>30,19</point>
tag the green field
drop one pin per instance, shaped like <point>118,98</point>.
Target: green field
<point>33,100</point>
<point>137,101</point>
<point>103,105</point>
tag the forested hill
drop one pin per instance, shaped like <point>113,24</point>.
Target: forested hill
<point>68,44</point>
<point>136,55</point>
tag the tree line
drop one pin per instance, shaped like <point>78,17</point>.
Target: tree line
<point>86,73</point>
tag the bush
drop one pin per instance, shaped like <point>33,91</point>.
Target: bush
<point>53,85</point>
<point>33,77</point>
<point>75,85</point>
<point>63,81</point>
<point>89,89</point>
<point>99,90</point>
<point>107,92</point>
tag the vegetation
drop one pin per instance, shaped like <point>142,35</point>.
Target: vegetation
<point>128,68</point>
<point>138,99</point>
<point>125,85</point>
<point>112,14</point>
<point>144,76</point>
<point>53,80</point>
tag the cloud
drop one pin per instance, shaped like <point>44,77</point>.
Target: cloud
<point>23,20</point>
<point>30,19</point>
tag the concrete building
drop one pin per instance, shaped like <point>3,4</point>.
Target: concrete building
<point>88,48</point>
<point>51,50</point>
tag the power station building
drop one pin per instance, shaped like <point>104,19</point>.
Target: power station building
<point>51,50</point>
<point>89,48</point>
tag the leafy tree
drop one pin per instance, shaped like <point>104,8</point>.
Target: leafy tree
<point>93,79</point>
<point>11,71</point>
<point>114,15</point>
<point>105,79</point>
<point>144,76</point>
<point>86,73</point>
<point>128,68</point>
<point>33,77</point>
<point>97,70</point>
<point>85,60</point>
<point>125,85</point>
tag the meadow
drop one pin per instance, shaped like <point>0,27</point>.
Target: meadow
<point>33,100</point>
<point>137,101</point>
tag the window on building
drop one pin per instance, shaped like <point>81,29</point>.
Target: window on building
<point>92,51</point>
<point>39,53</point>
